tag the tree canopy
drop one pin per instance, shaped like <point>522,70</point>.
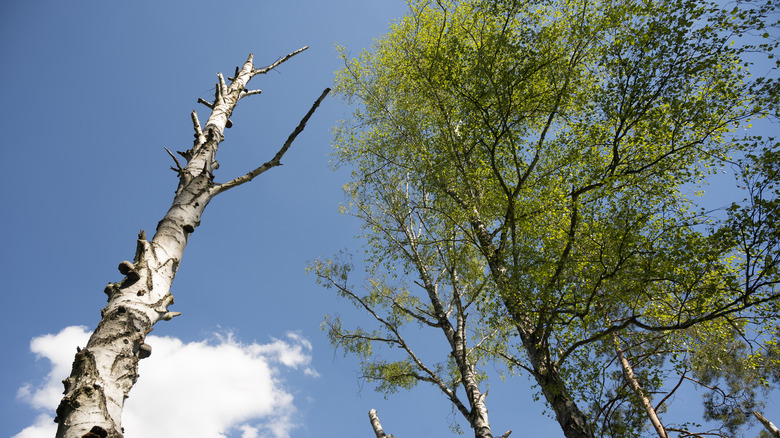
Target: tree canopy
<point>529,165</point>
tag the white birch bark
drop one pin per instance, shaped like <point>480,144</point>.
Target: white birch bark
<point>768,425</point>
<point>376,425</point>
<point>106,369</point>
<point>633,383</point>
<point>442,309</point>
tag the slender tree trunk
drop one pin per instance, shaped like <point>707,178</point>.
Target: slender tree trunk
<point>771,428</point>
<point>477,415</point>
<point>104,372</point>
<point>628,374</point>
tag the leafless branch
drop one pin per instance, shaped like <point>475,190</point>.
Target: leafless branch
<point>679,382</point>
<point>178,165</point>
<point>206,102</point>
<point>265,70</point>
<point>199,137</point>
<point>276,160</point>
<point>247,93</point>
<point>222,88</point>
<point>235,75</point>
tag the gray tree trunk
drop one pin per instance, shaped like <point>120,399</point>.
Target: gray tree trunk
<point>104,372</point>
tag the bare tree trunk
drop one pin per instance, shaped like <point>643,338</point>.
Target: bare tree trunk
<point>771,428</point>
<point>104,372</point>
<point>628,374</point>
<point>376,425</point>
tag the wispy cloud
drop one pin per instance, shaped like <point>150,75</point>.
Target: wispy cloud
<point>197,389</point>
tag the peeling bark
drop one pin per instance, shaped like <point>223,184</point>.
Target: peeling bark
<point>104,372</point>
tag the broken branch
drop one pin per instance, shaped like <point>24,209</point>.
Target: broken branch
<point>205,102</point>
<point>246,93</point>
<point>199,137</point>
<point>376,425</point>
<point>235,75</point>
<point>222,84</point>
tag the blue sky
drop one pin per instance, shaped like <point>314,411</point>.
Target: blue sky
<point>92,93</point>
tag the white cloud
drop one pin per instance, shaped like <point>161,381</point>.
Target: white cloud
<point>197,389</point>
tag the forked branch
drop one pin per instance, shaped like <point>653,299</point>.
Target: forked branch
<point>178,167</point>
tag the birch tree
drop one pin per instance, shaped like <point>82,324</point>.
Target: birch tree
<point>437,295</point>
<point>376,425</point>
<point>558,138</point>
<point>732,360</point>
<point>106,369</point>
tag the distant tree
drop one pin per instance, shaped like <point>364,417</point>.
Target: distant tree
<point>107,368</point>
<point>549,144</point>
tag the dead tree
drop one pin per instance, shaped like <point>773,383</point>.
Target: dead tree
<point>376,425</point>
<point>106,369</point>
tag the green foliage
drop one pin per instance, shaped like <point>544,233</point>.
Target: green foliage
<point>737,375</point>
<point>530,159</point>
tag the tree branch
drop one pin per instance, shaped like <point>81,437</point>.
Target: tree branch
<point>773,430</point>
<point>222,88</point>
<point>178,167</point>
<point>199,137</point>
<point>265,70</point>
<point>205,102</point>
<point>247,93</point>
<point>276,160</point>
<point>420,318</point>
